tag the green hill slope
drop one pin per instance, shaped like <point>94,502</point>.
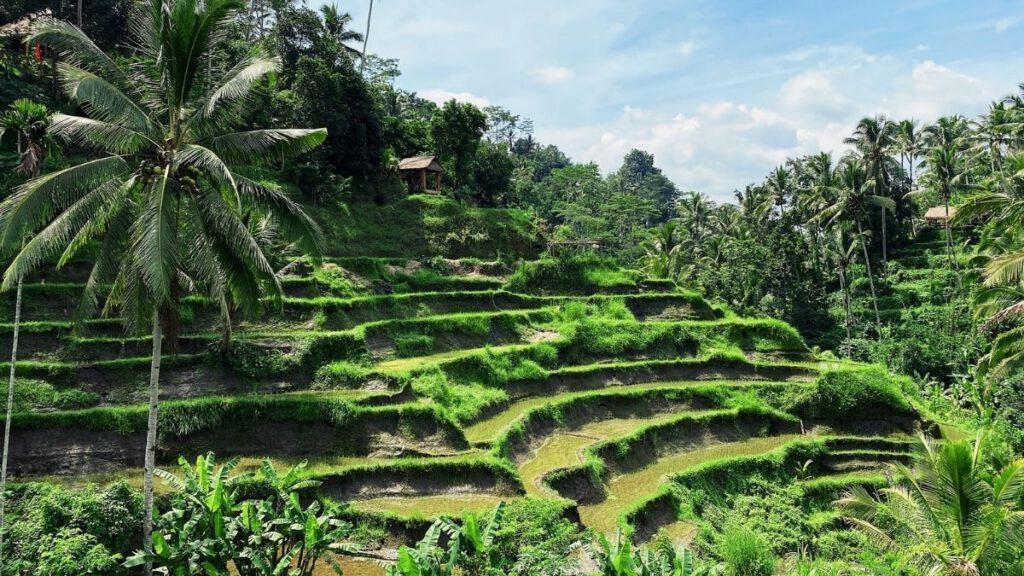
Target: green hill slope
<point>421,388</point>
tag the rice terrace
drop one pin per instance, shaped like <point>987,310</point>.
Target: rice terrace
<point>275,309</point>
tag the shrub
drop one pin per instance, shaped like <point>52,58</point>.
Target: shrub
<point>743,551</point>
<point>578,273</point>
<point>54,530</point>
<point>852,392</point>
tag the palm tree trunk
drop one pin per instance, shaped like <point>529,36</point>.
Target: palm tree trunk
<point>150,463</point>
<point>846,300</point>
<point>7,420</point>
<point>79,13</point>
<point>885,255</point>
<point>871,279</point>
<point>366,39</point>
<point>949,245</point>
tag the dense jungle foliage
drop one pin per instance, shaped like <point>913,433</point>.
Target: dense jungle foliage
<point>541,369</point>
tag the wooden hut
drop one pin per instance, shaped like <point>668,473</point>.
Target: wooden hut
<point>420,172</point>
<point>936,216</point>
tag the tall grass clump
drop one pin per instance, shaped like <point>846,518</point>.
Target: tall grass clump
<point>577,273</point>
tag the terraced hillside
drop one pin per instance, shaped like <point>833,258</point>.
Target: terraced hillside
<point>427,388</point>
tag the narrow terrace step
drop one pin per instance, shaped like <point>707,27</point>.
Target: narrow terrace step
<point>626,489</point>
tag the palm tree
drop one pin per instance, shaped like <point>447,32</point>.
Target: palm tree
<point>366,39</point>
<point>337,23</point>
<point>28,121</point>
<point>842,252</point>
<point>909,143</point>
<point>752,203</point>
<point>852,206</point>
<point>780,183</point>
<point>663,250</point>
<point>999,301</point>
<point>164,194</point>
<point>948,515</point>
<point>945,176</point>
<point>872,139</point>
<point>694,211</point>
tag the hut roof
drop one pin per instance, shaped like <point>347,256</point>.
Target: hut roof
<point>420,163</point>
<point>939,213</point>
<point>23,26</point>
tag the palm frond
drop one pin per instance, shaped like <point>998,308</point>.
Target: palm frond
<point>35,201</point>
<point>98,135</point>
<point>259,146</point>
<point>239,81</point>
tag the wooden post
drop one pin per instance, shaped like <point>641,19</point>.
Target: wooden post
<point>437,181</point>
<point>423,180</point>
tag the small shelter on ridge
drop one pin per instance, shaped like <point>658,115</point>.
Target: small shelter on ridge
<point>414,173</point>
<point>936,216</point>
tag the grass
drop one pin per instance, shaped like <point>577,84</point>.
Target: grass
<point>431,506</point>
<point>487,430</point>
<point>625,489</point>
<point>424,225</point>
<point>565,449</point>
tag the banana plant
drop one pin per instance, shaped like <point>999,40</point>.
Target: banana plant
<point>614,558</point>
<point>195,536</point>
<point>428,558</point>
<point>478,557</point>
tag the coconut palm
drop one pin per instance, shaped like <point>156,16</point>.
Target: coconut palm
<point>780,184</point>
<point>28,122</point>
<point>948,515</point>
<point>366,39</point>
<point>999,301</point>
<point>337,23</point>
<point>910,144</point>
<point>872,140</point>
<point>663,250</point>
<point>852,205</point>
<point>841,252</point>
<point>164,194</point>
<point>946,177</point>
<point>694,211</point>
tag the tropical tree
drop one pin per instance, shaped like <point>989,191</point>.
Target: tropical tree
<point>851,206</point>
<point>663,250</point>
<point>946,173</point>
<point>780,185</point>
<point>28,121</point>
<point>910,145</point>
<point>164,194</point>
<point>999,301</point>
<point>337,23</point>
<point>428,558</point>
<point>476,543</point>
<point>948,515</point>
<point>842,251</point>
<point>695,211</point>
<point>872,140</point>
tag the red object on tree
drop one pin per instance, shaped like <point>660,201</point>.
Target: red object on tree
<point>38,53</point>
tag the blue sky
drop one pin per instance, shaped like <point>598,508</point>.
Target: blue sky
<point>719,91</point>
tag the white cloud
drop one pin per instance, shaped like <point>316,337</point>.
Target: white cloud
<point>1004,24</point>
<point>686,48</point>
<point>721,145</point>
<point>440,96</point>
<point>553,74</point>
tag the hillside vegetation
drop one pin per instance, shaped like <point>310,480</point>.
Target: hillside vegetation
<point>427,388</point>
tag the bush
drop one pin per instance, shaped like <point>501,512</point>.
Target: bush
<point>743,551</point>
<point>848,393</point>
<point>54,530</point>
<point>578,273</point>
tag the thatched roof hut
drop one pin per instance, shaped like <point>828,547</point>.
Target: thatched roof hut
<point>936,215</point>
<point>414,173</point>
